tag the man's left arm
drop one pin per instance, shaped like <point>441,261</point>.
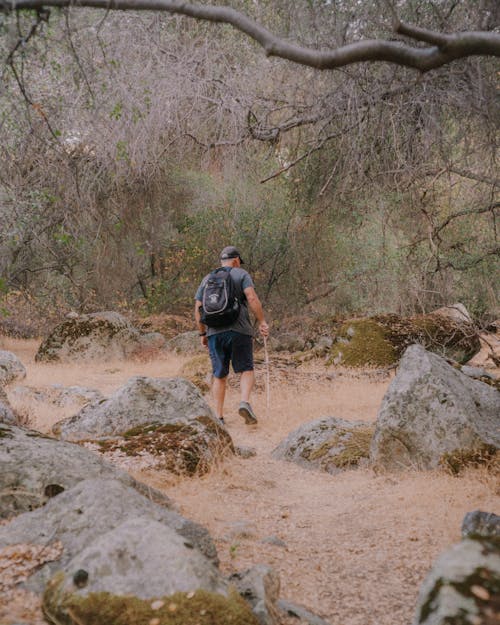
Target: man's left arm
<point>202,328</point>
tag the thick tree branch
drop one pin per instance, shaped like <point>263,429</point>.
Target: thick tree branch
<point>443,49</point>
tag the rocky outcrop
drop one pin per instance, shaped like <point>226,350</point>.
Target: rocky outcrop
<point>34,468</point>
<point>381,340</point>
<point>93,508</point>
<point>166,418</point>
<point>11,368</point>
<point>101,336</point>
<point>463,586</point>
<point>328,444</point>
<point>433,414</point>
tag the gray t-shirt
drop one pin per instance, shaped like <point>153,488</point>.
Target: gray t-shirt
<point>242,280</point>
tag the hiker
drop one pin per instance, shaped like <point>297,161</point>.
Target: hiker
<point>221,312</point>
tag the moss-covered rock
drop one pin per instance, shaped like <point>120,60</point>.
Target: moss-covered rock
<point>194,608</point>
<point>329,444</point>
<point>381,340</point>
<point>180,448</point>
<point>463,587</point>
<point>97,336</point>
<point>432,414</point>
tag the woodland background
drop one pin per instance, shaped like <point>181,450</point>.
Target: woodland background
<point>134,146</point>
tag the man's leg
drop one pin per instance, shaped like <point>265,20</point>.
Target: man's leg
<point>247,382</point>
<point>242,358</point>
<point>219,393</point>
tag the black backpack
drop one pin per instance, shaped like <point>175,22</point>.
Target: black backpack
<point>220,305</point>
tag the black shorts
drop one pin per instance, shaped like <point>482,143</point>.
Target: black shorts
<point>230,347</point>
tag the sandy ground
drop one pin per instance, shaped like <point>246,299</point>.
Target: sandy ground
<point>354,547</point>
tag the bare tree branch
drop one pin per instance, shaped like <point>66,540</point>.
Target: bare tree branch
<point>444,47</point>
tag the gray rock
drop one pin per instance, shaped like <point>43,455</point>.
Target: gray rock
<point>289,342</point>
<point>432,411</point>
<point>463,586</point>
<point>456,312</point>
<point>328,444</point>
<point>34,467</point>
<point>7,415</point>
<point>11,368</point>
<point>477,523</point>
<point>260,587</point>
<point>88,510</point>
<point>164,422</point>
<point>101,336</point>
<point>186,343</point>
<point>301,613</point>
<point>142,401</point>
<point>144,558</point>
<point>57,395</point>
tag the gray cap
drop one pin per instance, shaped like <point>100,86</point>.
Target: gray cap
<point>230,252</point>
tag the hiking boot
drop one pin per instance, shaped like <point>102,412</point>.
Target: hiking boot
<point>245,411</point>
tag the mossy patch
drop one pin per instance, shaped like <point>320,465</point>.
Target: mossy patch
<point>184,449</point>
<point>458,460</point>
<point>363,342</point>
<point>195,608</point>
<point>5,432</point>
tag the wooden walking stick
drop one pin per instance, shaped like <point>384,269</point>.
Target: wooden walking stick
<point>268,385</point>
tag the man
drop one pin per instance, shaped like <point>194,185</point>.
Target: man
<point>233,343</point>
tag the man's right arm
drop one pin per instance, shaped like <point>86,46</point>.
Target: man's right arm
<point>256,307</point>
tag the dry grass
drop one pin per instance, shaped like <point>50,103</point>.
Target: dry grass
<point>358,544</point>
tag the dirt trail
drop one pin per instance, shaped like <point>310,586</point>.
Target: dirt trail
<point>353,547</point>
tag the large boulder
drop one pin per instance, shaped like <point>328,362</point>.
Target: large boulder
<point>463,587</point>
<point>328,444</point>
<point>164,417</point>
<point>434,414</point>
<point>92,508</point>
<point>142,401</point>
<point>11,368</point>
<point>145,558</point>
<point>101,336</point>
<point>34,468</point>
<point>381,340</point>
